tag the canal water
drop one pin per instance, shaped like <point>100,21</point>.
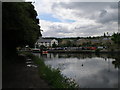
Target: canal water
<point>88,70</point>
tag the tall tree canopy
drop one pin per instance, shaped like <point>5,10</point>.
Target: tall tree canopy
<point>116,38</point>
<point>20,26</point>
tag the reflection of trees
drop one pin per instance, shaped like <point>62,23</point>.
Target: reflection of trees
<point>54,55</point>
<point>97,54</point>
<point>76,55</point>
<point>116,63</point>
<point>106,56</point>
<point>115,56</point>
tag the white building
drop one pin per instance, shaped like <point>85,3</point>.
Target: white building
<point>46,42</point>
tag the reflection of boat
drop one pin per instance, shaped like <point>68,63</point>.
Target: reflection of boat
<point>36,50</point>
<point>44,52</point>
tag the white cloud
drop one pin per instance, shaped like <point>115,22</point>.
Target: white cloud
<point>59,29</point>
<point>87,19</point>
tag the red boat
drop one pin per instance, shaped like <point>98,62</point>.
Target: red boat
<point>93,48</point>
<point>44,52</point>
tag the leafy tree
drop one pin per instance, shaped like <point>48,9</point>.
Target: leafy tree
<point>77,37</point>
<point>37,46</point>
<point>54,45</point>
<point>69,43</point>
<point>20,26</point>
<point>116,38</point>
<point>42,47</point>
<point>104,35</point>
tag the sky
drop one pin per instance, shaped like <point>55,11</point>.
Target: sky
<point>65,18</point>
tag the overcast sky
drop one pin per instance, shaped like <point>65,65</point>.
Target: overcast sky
<point>76,19</point>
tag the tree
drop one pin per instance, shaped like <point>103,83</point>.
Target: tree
<point>54,45</point>
<point>116,38</point>
<point>20,26</point>
<point>42,47</point>
<point>104,35</point>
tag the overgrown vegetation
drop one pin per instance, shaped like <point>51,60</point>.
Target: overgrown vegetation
<point>53,76</point>
<point>20,26</point>
<point>116,38</point>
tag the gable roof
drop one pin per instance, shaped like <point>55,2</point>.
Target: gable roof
<point>40,40</point>
<point>106,39</point>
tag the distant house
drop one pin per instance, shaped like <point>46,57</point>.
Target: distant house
<point>102,40</point>
<point>82,41</point>
<point>46,42</point>
<point>107,40</point>
<point>95,41</point>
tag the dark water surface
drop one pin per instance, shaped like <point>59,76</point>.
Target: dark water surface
<point>88,70</point>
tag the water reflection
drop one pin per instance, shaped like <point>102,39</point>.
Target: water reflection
<point>31,65</point>
<point>88,70</point>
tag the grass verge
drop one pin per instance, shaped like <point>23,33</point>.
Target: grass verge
<point>52,76</point>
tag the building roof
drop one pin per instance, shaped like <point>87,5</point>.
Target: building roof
<point>106,39</point>
<point>95,40</point>
<point>44,40</point>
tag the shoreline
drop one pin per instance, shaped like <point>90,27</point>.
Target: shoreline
<point>52,76</point>
<point>78,51</point>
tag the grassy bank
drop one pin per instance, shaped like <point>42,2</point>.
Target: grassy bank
<point>52,76</point>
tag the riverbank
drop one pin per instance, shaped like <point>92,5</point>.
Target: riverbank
<point>83,51</point>
<point>79,51</point>
<point>53,76</point>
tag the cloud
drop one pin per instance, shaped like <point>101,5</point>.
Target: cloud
<point>106,17</point>
<point>59,29</point>
<point>91,10</point>
<point>103,13</point>
<point>69,19</point>
<point>56,29</point>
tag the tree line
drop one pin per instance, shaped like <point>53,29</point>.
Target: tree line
<point>19,26</point>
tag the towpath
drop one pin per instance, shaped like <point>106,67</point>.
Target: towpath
<point>23,73</point>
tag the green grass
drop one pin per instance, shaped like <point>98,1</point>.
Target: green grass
<point>53,76</point>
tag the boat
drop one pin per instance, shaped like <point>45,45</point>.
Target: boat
<point>35,50</point>
<point>44,52</point>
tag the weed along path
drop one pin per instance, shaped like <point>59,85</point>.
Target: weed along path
<point>23,74</point>
<point>33,76</point>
